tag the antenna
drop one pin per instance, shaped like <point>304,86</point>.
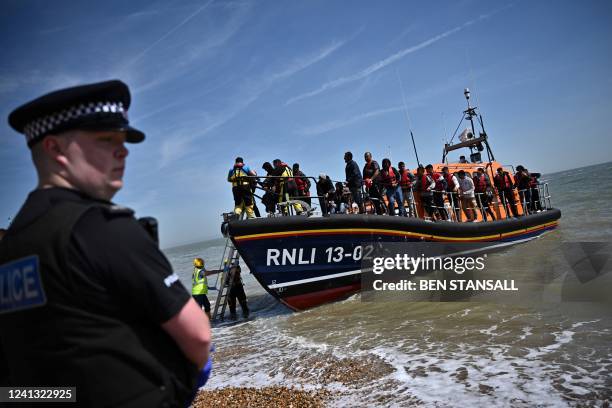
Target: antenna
<point>407,116</point>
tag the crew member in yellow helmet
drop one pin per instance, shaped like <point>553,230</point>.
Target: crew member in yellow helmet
<point>199,285</point>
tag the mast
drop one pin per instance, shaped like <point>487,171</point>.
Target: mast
<point>474,142</point>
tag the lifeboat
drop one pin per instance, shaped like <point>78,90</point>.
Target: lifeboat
<point>308,260</point>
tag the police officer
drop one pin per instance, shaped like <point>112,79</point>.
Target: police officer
<point>199,285</point>
<point>92,301</point>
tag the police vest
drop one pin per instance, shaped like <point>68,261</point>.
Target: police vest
<point>96,353</point>
<point>199,283</point>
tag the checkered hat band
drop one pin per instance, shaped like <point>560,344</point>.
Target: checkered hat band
<point>47,124</point>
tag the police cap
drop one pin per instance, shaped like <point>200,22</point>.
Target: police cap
<point>98,106</point>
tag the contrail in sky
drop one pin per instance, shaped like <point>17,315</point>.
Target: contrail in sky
<point>163,37</point>
<point>389,60</point>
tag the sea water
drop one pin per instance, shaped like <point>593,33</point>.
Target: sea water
<point>543,350</point>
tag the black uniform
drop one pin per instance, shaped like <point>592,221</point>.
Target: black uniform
<point>94,321</point>
<point>375,190</point>
<point>237,292</point>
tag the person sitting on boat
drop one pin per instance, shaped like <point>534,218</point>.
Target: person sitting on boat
<point>341,199</point>
<point>270,197</point>
<point>325,191</point>
<point>483,192</point>
<point>452,188</point>
<point>425,186</point>
<point>466,190</point>
<point>287,189</point>
<point>438,193</point>
<point>237,292</point>
<point>371,179</point>
<point>505,186</point>
<point>241,187</point>
<point>354,181</point>
<point>522,182</point>
<point>390,180</point>
<point>406,182</point>
<point>199,285</point>
<point>303,184</point>
<point>535,204</point>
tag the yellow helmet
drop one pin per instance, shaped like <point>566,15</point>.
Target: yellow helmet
<point>198,262</point>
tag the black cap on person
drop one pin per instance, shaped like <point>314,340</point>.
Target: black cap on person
<point>98,106</point>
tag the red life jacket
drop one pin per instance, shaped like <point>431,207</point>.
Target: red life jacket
<point>300,182</point>
<point>405,181</point>
<point>388,178</point>
<point>533,182</point>
<point>439,181</point>
<point>480,183</point>
<point>424,183</point>
<point>504,182</point>
<point>450,184</point>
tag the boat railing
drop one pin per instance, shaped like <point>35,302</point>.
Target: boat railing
<point>449,206</point>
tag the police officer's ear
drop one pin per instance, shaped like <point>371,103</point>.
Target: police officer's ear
<point>55,147</point>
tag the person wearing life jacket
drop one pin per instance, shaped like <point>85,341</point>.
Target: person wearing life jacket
<point>406,184</point>
<point>287,188</point>
<point>535,204</point>
<point>522,182</point>
<point>483,193</point>
<point>438,192</point>
<point>302,183</point>
<point>199,285</point>
<point>505,190</point>
<point>354,180</point>
<point>371,174</point>
<point>425,185</point>
<point>390,180</point>
<point>241,187</point>
<point>452,189</point>
<point>325,191</point>
<point>270,197</point>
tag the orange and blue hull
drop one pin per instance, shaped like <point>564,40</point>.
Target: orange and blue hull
<point>305,262</point>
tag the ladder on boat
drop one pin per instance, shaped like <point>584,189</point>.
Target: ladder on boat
<point>230,259</point>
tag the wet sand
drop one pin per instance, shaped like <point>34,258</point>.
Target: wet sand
<point>275,396</point>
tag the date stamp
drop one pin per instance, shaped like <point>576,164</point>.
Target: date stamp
<point>37,394</point>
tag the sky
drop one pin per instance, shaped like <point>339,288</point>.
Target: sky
<point>305,81</point>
